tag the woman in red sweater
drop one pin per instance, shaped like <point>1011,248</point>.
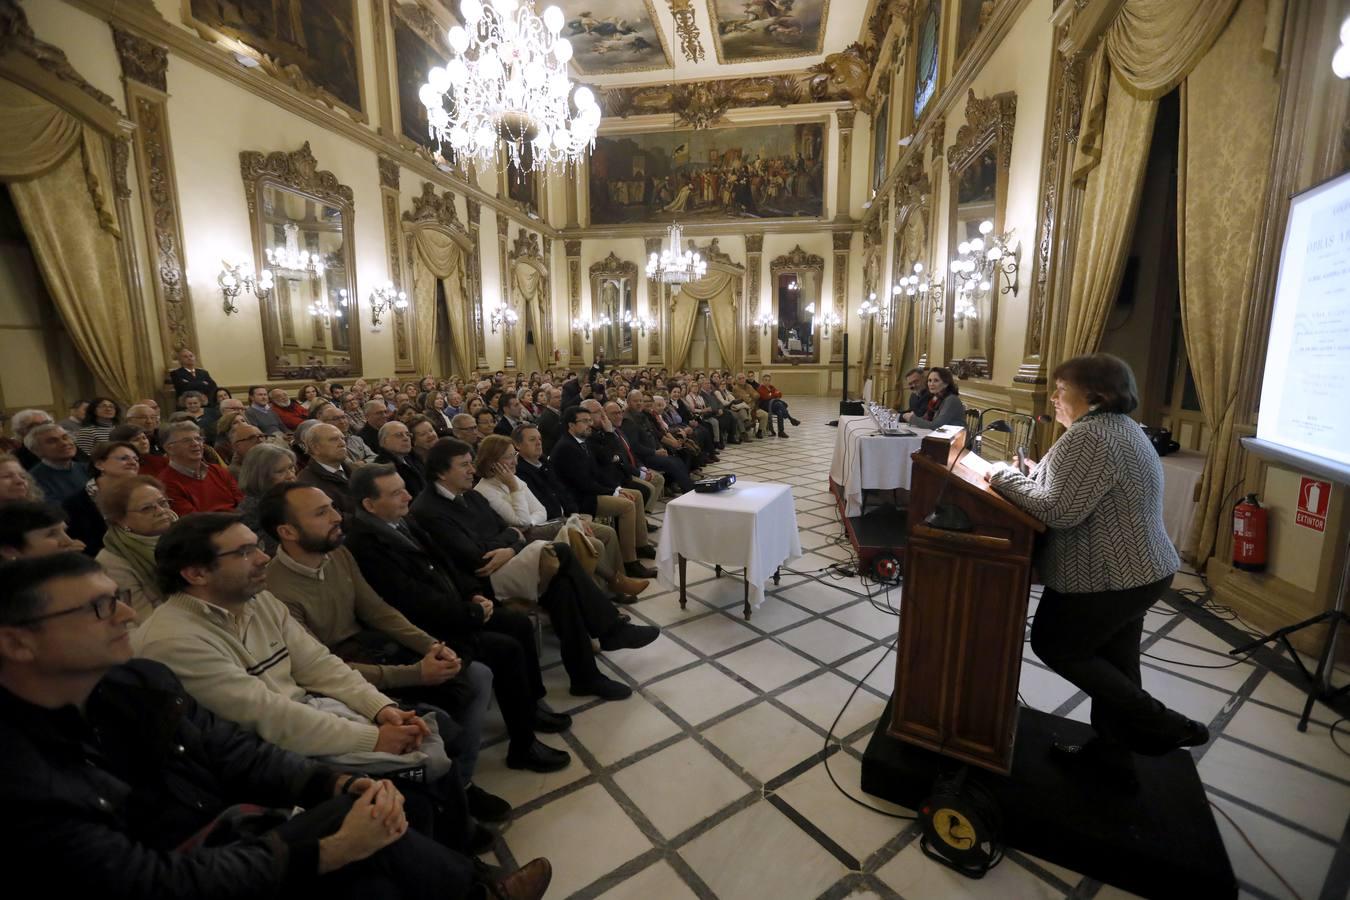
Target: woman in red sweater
<point>771,401</point>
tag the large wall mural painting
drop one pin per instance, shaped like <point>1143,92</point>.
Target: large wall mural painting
<point>753,30</point>
<point>614,36</point>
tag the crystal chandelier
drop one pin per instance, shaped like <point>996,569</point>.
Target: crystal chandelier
<point>674,266</point>
<point>507,79</point>
<point>982,260</point>
<point>322,309</point>
<point>291,258</point>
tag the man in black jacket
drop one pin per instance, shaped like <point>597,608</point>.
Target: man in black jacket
<point>395,448</point>
<point>400,561</point>
<point>550,419</point>
<point>460,521</point>
<point>115,778</point>
<point>608,434</point>
<point>598,495</point>
<point>646,444</point>
<point>328,469</point>
<point>187,377</point>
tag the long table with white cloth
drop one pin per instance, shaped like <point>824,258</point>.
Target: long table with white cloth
<point>866,460</point>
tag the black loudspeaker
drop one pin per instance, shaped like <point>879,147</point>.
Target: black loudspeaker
<point>851,408</point>
<point>962,826</point>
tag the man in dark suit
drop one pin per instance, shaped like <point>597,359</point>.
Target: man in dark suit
<point>916,381</point>
<point>187,377</point>
<point>612,452</point>
<point>512,415</point>
<point>328,469</point>
<point>401,563</point>
<point>647,446</point>
<point>550,419</point>
<point>598,493</point>
<point>461,523</point>
<point>396,450</point>
<point>377,414</point>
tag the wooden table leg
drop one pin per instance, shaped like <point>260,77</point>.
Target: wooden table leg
<point>747,594</point>
<point>717,571</point>
<point>776,574</point>
<point>683,598</point>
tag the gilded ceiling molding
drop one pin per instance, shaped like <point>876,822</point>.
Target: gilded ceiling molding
<point>389,172</point>
<point>613,266</point>
<point>883,14</point>
<point>987,119</point>
<point>690,98</point>
<point>16,35</point>
<point>797,258</point>
<point>754,243</point>
<point>431,207</point>
<point>526,246</point>
<point>687,28</point>
<point>847,74</point>
<point>297,169</point>
<point>912,187</point>
<point>712,252</point>
<point>842,240</point>
<point>142,60</point>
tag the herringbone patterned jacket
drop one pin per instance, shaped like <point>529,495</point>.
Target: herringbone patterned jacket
<point>1099,489</point>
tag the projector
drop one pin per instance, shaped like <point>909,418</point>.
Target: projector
<point>714,485</point>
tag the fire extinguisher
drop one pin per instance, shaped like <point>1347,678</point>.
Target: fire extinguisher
<point>1249,535</point>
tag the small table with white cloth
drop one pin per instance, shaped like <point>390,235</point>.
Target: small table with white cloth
<point>1182,471</point>
<point>866,460</point>
<point>751,525</point>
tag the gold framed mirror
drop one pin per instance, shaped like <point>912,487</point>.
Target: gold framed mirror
<point>301,220</point>
<point>795,278</point>
<point>978,165</point>
<point>613,295</point>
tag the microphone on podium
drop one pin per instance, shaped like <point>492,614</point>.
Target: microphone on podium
<point>954,518</point>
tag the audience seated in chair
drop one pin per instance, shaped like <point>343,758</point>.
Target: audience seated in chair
<point>57,471</point>
<point>111,462</point>
<point>192,484</point>
<point>137,513</point>
<point>29,528</point>
<point>266,466</point>
<point>357,451</point>
<point>396,449</point>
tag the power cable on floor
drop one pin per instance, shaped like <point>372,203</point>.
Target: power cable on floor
<point>1248,841</point>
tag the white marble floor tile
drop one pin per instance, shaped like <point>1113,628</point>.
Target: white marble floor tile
<point>558,699</point>
<point>645,663</point>
<point>764,740</point>
<point>519,787</point>
<point>656,882</point>
<point>1278,732</point>
<point>664,609</point>
<point>1188,698</point>
<point>882,678</point>
<point>817,597</point>
<point>1290,697</point>
<point>713,634</point>
<point>821,698</point>
<point>859,831</point>
<point>767,665</point>
<point>1302,861</point>
<point>758,853</point>
<point>870,619</point>
<point>1043,689</point>
<point>680,786</point>
<point>823,640</point>
<point>698,694</point>
<point>584,835</point>
<point>1175,656</point>
<point>1312,800</point>
<point>612,731</point>
<point>774,614</point>
<point>916,877</point>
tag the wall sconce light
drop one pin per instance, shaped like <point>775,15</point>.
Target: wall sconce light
<point>644,324</point>
<point>322,309</point>
<point>503,316</point>
<point>764,321</point>
<point>870,309</point>
<point>827,321</point>
<point>584,326</point>
<point>1340,62</point>
<point>982,260</point>
<point>383,299</point>
<point>914,285</point>
<point>234,278</point>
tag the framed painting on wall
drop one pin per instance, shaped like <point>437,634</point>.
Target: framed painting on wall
<point>755,30</point>
<point>419,45</point>
<point>972,16</point>
<point>312,45</point>
<point>747,171</point>
<point>926,57</point>
<point>881,121</point>
<point>616,36</point>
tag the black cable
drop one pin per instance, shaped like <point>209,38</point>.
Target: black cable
<point>1177,662</point>
<point>825,750</point>
<point>1332,732</point>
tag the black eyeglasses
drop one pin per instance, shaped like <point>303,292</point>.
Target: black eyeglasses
<point>243,552</point>
<point>102,606</point>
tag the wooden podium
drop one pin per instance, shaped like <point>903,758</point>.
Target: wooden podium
<point>963,618</point>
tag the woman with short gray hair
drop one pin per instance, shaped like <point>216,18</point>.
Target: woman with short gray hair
<point>265,466</point>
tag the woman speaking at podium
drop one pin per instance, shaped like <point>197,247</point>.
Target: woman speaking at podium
<point>1105,560</point>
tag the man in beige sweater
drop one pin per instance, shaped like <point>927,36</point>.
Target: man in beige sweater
<point>241,655</point>
<point>322,587</point>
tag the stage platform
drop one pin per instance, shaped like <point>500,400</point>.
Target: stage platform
<point>1157,841</point>
<point>878,531</point>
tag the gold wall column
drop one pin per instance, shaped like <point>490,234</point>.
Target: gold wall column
<point>842,240</point>
<point>571,175</point>
<point>657,309</point>
<point>844,184</point>
<point>504,281</point>
<point>750,309</point>
<point>475,210</point>
<point>144,74</point>
<point>573,251</point>
<point>393,239</point>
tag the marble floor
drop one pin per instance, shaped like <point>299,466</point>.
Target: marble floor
<point>709,782</point>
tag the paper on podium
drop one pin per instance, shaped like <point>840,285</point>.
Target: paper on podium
<point>976,463</point>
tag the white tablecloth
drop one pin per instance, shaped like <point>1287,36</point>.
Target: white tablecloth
<point>752,525</point>
<point>865,460</point>
<point>1181,473</point>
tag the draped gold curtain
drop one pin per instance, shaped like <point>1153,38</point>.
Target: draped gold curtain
<point>528,282</point>
<point>685,305</point>
<point>60,179</point>
<point>912,246</point>
<point>436,257</point>
<point>1227,135</point>
<point>869,327</point>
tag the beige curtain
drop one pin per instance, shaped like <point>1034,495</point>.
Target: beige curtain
<point>685,308</point>
<point>1113,182</point>
<point>1154,44</point>
<point>1227,135</point>
<point>528,283</point>
<point>436,257</point>
<point>911,246</point>
<point>61,182</point>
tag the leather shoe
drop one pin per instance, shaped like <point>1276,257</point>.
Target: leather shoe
<point>481,840</point>
<point>646,552</point>
<point>1109,764</point>
<point>795,422</point>
<point>629,637</point>
<point>526,883</point>
<point>550,722</point>
<point>623,599</point>
<point>651,528</point>
<point>602,687</point>
<point>782,434</point>
<point>486,807</point>
<point>540,757</point>
<point>622,584</point>
<point>636,569</point>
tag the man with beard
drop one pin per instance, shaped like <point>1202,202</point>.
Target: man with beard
<point>320,583</point>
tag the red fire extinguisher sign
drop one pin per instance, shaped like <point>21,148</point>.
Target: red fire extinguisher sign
<point>1313,496</point>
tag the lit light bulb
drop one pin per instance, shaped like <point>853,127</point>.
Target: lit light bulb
<point>986,227</point>
<point>458,39</point>
<point>439,79</point>
<point>963,248</point>
<point>1340,62</point>
<point>977,245</point>
<point>918,267</point>
<point>553,19</point>
<point>472,10</point>
<point>429,96</point>
<point>562,50</point>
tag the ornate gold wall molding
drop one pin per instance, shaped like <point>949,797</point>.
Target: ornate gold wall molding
<point>797,258</point>
<point>395,251</point>
<point>686,26</point>
<point>141,60</point>
<point>429,206</point>
<point>296,169</point>
<point>526,246</point>
<point>17,36</point>
<point>389,172</point>
<point>988,119</point>
<point>573,251</point>
<point>844,75</point>
<point>707,99</point>
<point>842,241</point>
<point>844,182</point>
<point>754,262</point>
<point>655,308</point>
<point>613,266</point>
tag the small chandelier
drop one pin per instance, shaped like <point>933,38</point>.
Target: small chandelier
<point>674,266</point>
<point>322,309</point>
<point>503,316</point>
<point>291,258</point>
<point>236,277</point>
<point>507,79</point>
<point>764,321</point>
<point>382,300</point>
<point>584,326</point>
<point>871,309</point>
<point>981,260</point>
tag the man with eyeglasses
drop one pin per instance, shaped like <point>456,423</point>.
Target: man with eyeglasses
<point>463,428</point>
<point>243,437</point>
<point>146,418</point>
<point>358,452</point>
<point>191,483</point>
<point>79,720</point>
<point>29,529</point>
